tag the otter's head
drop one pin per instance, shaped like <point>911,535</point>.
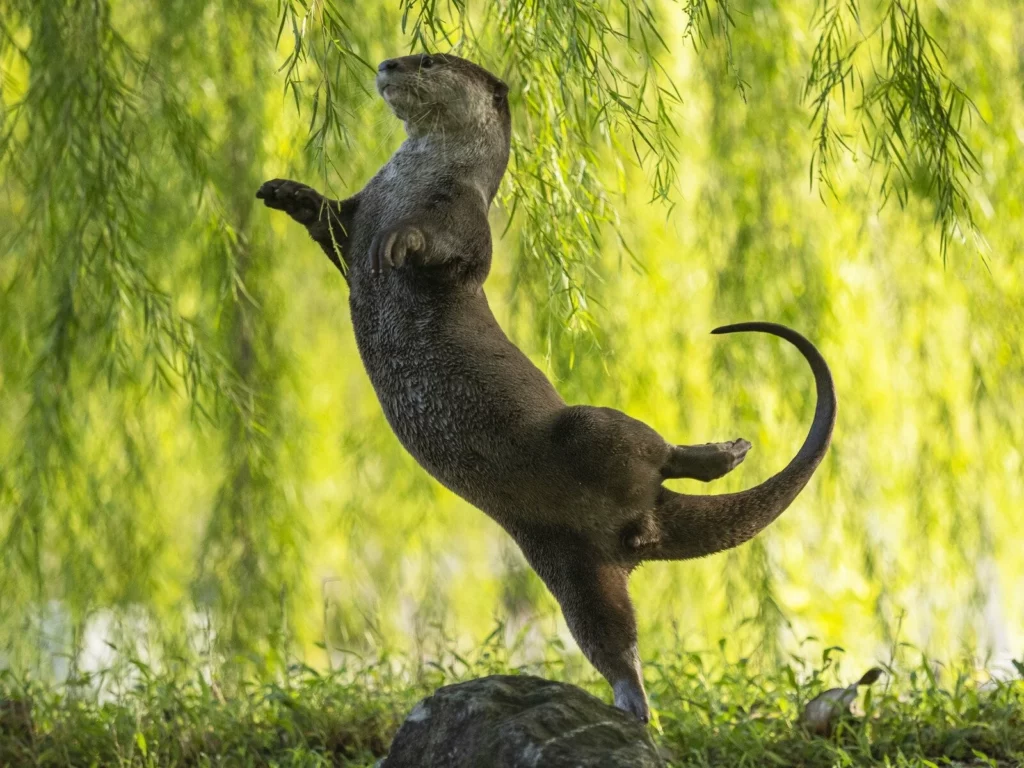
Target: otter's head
<point>443,93</point>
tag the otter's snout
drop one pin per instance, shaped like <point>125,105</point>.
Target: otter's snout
<point>397,72</point>
<point>414,63</point>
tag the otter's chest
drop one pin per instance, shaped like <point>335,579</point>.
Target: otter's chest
<point>409,186</point>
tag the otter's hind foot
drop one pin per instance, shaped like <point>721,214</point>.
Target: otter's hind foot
<point>630,697</point>
<point>705,462</point>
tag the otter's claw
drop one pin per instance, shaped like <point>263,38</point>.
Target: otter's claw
<point>301,202</point>
<point>391,248</point>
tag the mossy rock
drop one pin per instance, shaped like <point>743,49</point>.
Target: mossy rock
<point>519,722</point>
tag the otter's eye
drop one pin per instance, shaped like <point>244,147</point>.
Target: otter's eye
<point>426,62</point>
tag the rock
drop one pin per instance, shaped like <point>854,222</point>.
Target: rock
<point>519,722</point>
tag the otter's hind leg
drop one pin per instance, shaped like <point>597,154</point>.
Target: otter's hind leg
<point>594,597</point>
<point>704,462</point>
<point>630,459</point>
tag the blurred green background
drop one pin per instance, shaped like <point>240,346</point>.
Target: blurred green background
<point>193,464</point>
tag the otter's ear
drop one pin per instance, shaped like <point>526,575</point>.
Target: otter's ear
<point>500,91</point>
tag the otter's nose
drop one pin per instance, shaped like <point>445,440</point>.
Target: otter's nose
<point>388,65</point>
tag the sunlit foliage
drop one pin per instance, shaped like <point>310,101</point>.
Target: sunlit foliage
<point>192,462</point>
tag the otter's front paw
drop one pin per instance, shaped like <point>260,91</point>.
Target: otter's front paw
<point>393,247</point>
<point>301,202</point>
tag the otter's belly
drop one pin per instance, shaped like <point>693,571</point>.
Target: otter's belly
<point>466,403</point>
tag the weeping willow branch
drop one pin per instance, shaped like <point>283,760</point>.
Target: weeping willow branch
<point>74,143</point>
<point>713,18</point>
<point>589,76</point>
<point>322,37</point>
<point>588,80</point>
<point>912,114</point>
<point>247,570</point>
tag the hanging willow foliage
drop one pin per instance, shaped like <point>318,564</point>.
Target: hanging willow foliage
<point>189,448</point>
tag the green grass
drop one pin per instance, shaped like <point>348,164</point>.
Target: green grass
<point>707,713</point>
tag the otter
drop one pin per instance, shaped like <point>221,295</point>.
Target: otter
<point>579,488</point>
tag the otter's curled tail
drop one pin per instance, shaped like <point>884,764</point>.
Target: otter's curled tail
<point>694,526</point>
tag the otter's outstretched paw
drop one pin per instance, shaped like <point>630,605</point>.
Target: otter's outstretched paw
<point>392,248</point>
<point>705,462</point>
<point>301,202</point>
